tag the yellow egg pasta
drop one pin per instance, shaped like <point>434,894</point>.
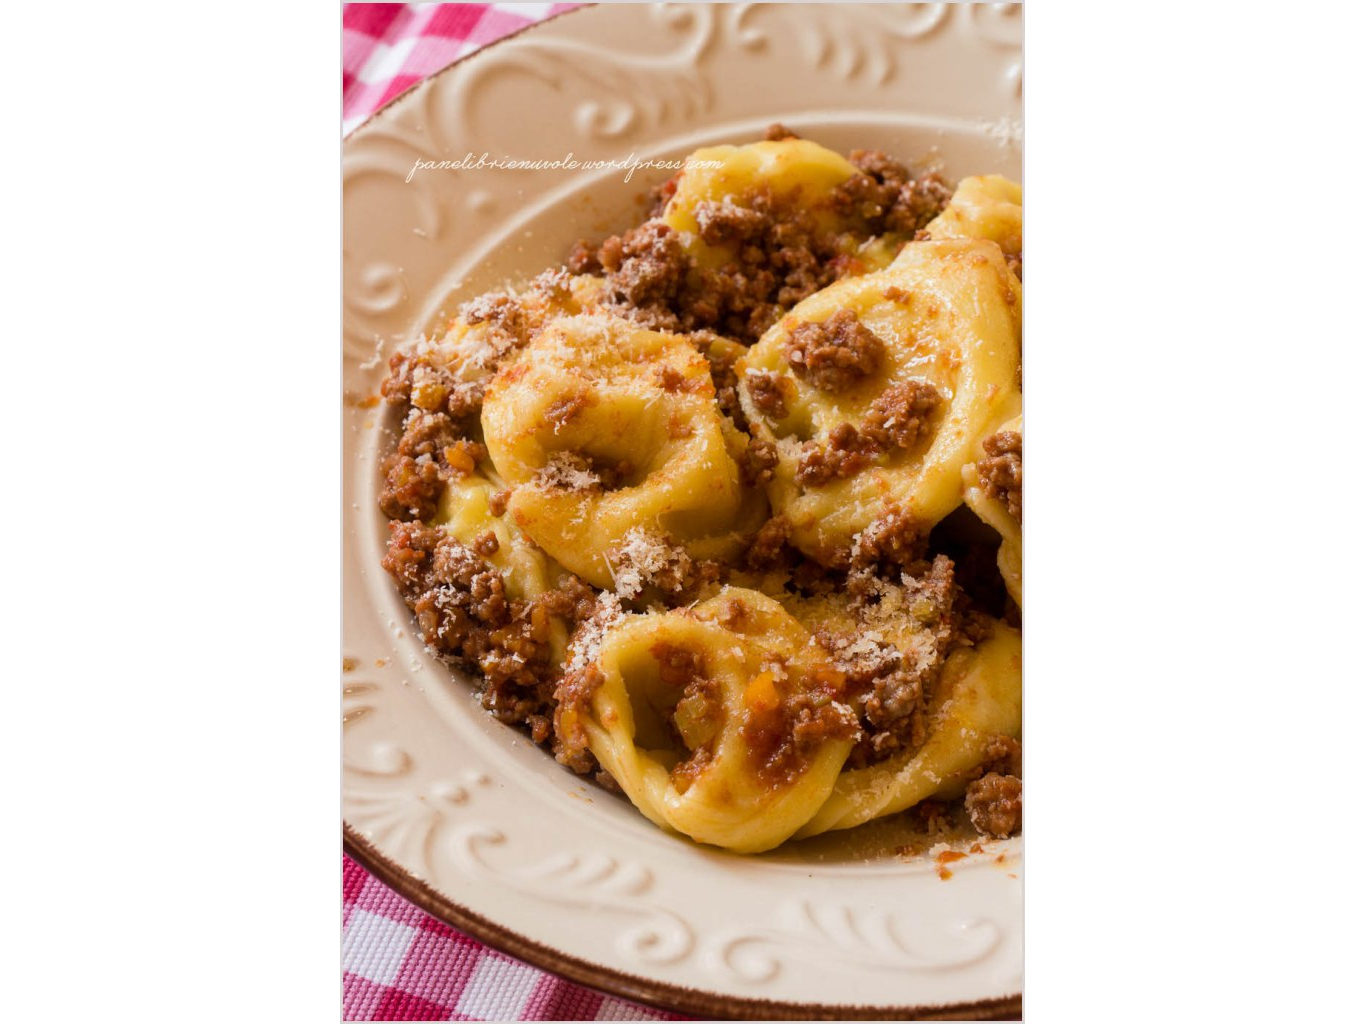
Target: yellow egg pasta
<point>465,512</point>
<point>611,440</point>
<point>989,207</point>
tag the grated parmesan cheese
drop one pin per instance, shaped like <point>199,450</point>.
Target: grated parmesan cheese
<point>567,471</point>
<point>641,559</point>
<point>586,645</point>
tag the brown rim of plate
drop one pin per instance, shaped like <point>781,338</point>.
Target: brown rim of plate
<point>662,996</point>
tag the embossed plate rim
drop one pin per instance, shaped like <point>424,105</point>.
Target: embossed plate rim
<point>666,993</point>
<point>661,995</point>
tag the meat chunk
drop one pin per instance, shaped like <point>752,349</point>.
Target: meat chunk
<point>1002,470</point>
<point>758,462</point>
<point>767,546</point>
<point>645,266</point>
<point>412,487</point>
<point>900,414</point>
<point>721,223</point>
<point>778,252</point>
<point>890,197</point>
<point>917,202</point>
<point>415,473</point>
<point>995,803</point>
<point>834,354</point>
<point>847,453</point>
<point>766,391</point>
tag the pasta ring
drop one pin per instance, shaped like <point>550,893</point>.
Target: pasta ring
<point>606,430</point>
<point>741,777</point>
<point>947,316</point>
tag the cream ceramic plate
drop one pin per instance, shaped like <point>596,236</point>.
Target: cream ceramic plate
<point>465,815</point>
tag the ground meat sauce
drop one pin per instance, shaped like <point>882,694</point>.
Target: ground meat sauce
<point>766,391</point>
<point>416,382</point>
<point>894,541</point>
<point>1004,754</point>
<point>769,544</point>
<point>415,473</point>
<point>464,615</point>
<point>891,693</point>
<point>563,410</point>
<point>721,360</point>
<point>995,804</point>
<point>783,734</point>
<point>835,353</point>
<point>502,313</point>
<point>778,255</point>
<point>573,694</point>
<point>896,418</point>
<point>900,415</point>
<point>758,462</point>
<point>684,670</point>
<point>890,698</point>
<point>412,487</point>
<point>846,454</point>
<point>1002,470</point>
<point>889,197</point>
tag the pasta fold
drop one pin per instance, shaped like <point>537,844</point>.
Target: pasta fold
<point>979,698</point>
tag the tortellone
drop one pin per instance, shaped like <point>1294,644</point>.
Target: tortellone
<point>878,389</point>
<point>988,207</point>
<point>795,171</point>
<point>993,509</point>
<point>979,698</point>
<point>610,435</point>
<point>721,721</point>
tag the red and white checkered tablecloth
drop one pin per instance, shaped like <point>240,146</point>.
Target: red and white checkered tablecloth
<point>398,962</point>
<point>386,48</point>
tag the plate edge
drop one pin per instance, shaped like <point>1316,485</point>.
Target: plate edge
<point>658,994</point>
